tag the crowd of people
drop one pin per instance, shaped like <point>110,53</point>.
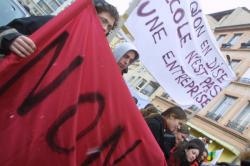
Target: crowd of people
<point>173,136</point>
<point>168,128</point>
<point>171,133</point>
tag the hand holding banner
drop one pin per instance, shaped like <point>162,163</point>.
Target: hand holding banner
<point>67,104</point>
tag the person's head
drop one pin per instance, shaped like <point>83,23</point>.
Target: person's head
<point>148,105</point>
<point>174,118</point>
<point>192,152</point>
<point>203,156</point>
<point>125,54</point>
<point>200,144</point>
<point>150,110</point>
<point>245,157</point>
<point>182,133</point>
<point>205,140</point>
<point>108,15</point>
<point>187,152</point>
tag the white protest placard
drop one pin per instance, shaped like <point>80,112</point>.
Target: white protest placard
<point>179,50</point>
<point>217,155</point>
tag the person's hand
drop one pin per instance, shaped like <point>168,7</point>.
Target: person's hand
<point>23,46</point>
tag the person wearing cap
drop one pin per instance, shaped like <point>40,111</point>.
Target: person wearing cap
<point>168,122</point>
<point>125,54</point>
<point>14,36</point>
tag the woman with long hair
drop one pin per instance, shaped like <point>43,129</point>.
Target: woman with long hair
<point>186,153</point>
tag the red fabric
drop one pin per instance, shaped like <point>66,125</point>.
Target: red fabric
<point>195,164</point>
<point>67,104</point>
<point>171,161</point>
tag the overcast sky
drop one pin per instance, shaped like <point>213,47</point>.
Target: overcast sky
<point>208,6</point>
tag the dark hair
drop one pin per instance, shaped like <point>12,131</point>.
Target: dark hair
<point>184,129</point>
<point>201,145</point>
<point>124,71</point>
<point>148,105</point>
<point>245,162</point>
<point>200,160</point>
<point>225,164</point>
<point>149,110</point>
<point>245,158</point>
<point>175,111</point>
<point>180,154</point>
<point>135,99</point>
<point>136,55</point>
<point>103,6</point>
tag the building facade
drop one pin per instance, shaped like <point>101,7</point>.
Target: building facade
<point>226,119</point>
<point>46,7</point>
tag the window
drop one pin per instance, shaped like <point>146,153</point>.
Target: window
<point>194,108</point>
<point>61,1</point>
<point>131,79</point>
<point>10,10</point>
<point>137,80</point>
<point>246,77</point>
<point>165,95</point>
<point>53,4</point>
<point>234,63</point>
<point>150,88</point>
<point>141,83</point>
<point>45,7</point>
<point>222,108</point>
<point>232,41</point>
<point>242,120</point>
<point>245,45</point>
<point>141,70</point>
<point>220,39</point>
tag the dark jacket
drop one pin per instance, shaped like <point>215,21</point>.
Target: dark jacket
<point>177,162</point>
<point>157,126</point>
<point>245,162</point>
<point>169,143</point>
<point>20,26</point>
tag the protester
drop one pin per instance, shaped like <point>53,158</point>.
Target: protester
<point>167,122</point>
<point>173,140</point>
<point>149,111</point>
<point>148,105</point>
<point>186,154</point>
<point>125,54</point>
<point>203,157</point>
<point>245,158</point>
<point>13,37</point>
<point>182,134</point>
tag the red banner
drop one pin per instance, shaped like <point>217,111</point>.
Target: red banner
<point>67,104</point>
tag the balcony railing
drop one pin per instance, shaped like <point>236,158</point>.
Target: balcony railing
<point>226,45</point>
<point>213,116</point>
<point>245,80</point>
<point>245,45</point>
<point>194,108</point>
<point>165,95</point>
<point>236,126</point>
